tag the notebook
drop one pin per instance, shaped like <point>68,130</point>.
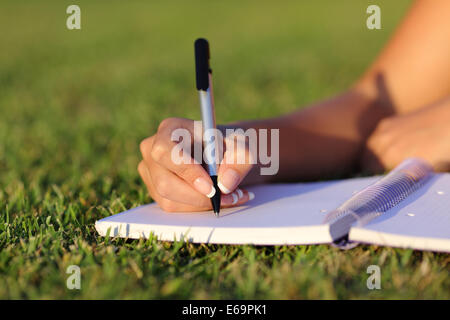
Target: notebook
<point>408,208</point>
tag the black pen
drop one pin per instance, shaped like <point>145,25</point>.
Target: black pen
<point>204,87</point>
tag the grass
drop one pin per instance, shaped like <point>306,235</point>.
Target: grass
<point>75,104</point>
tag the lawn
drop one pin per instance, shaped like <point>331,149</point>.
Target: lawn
<point>75,104</point>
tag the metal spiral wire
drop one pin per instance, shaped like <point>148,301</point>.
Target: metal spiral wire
<point>382,195</point>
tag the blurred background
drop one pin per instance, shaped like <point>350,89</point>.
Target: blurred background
<point>74,102</point>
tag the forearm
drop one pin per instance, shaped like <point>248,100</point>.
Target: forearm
<point>323,140</point>
<point>413,69</point>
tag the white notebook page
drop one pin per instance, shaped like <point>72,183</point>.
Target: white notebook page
<point>279,214</point>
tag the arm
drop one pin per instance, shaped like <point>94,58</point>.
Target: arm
<point>324,139</point>
<point>412,71</point>
<point>415,64</point>
<point>327,138</point>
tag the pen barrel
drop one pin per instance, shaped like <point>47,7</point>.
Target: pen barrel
<point>210,139</point>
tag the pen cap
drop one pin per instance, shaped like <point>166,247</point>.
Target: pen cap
<point>202,63</point>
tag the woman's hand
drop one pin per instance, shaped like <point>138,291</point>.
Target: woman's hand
<point>187,186</point>
<point>424,133</point>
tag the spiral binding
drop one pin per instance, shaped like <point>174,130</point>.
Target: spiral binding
<point>377,198</point>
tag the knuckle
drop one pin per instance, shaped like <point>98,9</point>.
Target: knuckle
<point>384,124</point>
<point>166,123</point>
<point>158,151</point>
<point>182,171</point>
<point>374,141</point>
<point>152,195</point>
<point>383,140</point>
<point>389,155</point>
<point>162,187</point>
<point>202,202</point>
<point>141,168</point>
<point>187,172</point>
<point>168,205</point>
<point>146,145</point>
<point>371,142</point>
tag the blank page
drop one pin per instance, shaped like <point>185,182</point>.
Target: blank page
<point>421,221</point>
<point>279,214</point>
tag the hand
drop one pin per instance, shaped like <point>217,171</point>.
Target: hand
<point>187,186</point>
<point>424,133</point>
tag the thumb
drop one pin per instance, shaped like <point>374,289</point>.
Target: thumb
<point>237,161</point>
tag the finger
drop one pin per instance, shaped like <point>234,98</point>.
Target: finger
<point>236,198</point>
<point>166,204</point>
<point>393,155</point>
<point>164,151</point>
<point>143,172</point>
<point>171,187</point>
<point>236,163</point>
<point>373,158</point>
<point>227,201</point>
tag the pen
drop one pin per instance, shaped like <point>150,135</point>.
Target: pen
<point>204,87</point>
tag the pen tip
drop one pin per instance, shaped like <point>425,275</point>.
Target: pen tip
<point>215,200</point>
<point>216,209</point>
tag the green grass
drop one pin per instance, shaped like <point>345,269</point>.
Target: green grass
<point>75,104</point>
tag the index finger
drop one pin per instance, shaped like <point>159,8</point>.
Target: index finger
<point>176,156</point>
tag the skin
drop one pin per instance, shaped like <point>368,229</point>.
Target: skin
<point>400,107</point>
<point>423,133</point>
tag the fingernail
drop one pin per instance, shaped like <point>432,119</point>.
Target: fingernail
<point>204,187</point>
<point>223,188</point>
<point>228,181</point>
<point>230,199</point>
<point>251,195</point>
<point>211,193</point>
<point>235,198</point>
<point>239,193</point>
